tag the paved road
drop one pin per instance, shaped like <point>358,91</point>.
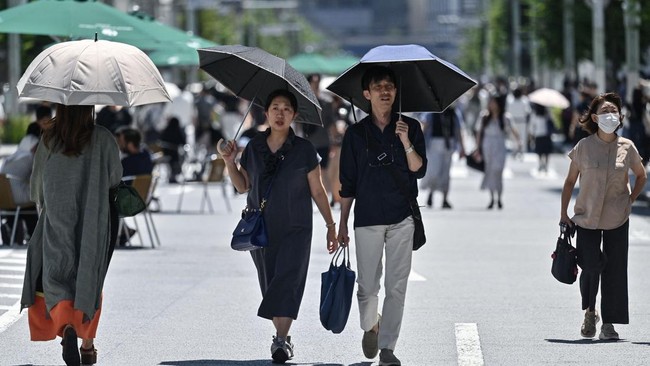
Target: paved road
<point>480,291</point>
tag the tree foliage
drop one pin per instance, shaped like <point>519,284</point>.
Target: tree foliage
<point>543,20</point>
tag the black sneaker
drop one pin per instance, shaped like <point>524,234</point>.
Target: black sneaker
<point>387,358</point>
<point>281,349</point>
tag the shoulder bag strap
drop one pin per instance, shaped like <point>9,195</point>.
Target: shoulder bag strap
<point>373,145</point>
<point>265,197</point>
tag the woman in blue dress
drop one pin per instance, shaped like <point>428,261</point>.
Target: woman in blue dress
<point>282,266</point>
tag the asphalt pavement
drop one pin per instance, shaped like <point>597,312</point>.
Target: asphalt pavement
<point>480,293</point>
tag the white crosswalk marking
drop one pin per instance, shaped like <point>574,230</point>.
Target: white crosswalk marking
<point>11,316</point>
<point>12,268</point>
<point>468,345</point>
<point>10,296</point>
<point>12,261</point>
<point>10,285</point>
<point>11,277</point>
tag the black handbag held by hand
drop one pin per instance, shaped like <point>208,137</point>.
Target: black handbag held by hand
<point>250,232</point>
<point>565,260</point>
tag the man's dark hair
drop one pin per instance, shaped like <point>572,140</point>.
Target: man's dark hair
<point>282,93</point>
<point>43,111</point>
<point>131,135</point>
<point>375,74</point>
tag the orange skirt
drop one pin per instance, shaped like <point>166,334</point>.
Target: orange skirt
<point>45,328</point>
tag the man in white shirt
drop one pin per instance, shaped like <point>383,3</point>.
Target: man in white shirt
<point>18,168</point>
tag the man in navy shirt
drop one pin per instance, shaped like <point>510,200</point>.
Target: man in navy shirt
<point>136,160</point>
<point>382,215</point>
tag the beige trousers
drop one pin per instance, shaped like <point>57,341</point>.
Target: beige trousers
<point>371,242</point>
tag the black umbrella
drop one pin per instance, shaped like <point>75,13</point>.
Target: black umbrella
<point>252,74</point>
<point>426,83</point>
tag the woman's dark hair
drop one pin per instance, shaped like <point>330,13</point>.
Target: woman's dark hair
<point>71,128</point>
<point>488,116</point>
<point>282,93</point>
<point>375,74</point>
<point>585,120</point>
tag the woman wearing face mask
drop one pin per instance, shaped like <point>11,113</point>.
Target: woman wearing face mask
<point>602,209</point>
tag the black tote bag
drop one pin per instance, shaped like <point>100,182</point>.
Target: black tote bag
<point>565,260</point>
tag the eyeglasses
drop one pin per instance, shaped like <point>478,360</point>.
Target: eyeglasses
<point>389,87</point>
<point>382,159</point>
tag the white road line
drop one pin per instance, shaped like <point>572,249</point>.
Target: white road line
<point>10,296</point>
<point>4,253</point>
<point>11,277</point>
<point>416,277</point>
<point>12,268</point>
<point>10,317</point>
<point>10,285</point>
<point>7,307</point>
<point>468,345</point>
<point>11,260</point>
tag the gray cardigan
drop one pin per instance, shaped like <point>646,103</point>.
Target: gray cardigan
<point>71,241</point>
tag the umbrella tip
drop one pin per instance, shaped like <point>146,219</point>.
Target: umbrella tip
<point>95,36</point>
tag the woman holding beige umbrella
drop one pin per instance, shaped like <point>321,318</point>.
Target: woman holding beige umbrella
<point>76,164</point>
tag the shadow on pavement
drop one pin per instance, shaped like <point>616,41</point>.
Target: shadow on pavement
<point>247,363</point>
<point>582,341</point>
<point>642,343</point>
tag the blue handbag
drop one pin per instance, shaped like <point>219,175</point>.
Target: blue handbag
<point>337,285</point>
<point>250,232</point>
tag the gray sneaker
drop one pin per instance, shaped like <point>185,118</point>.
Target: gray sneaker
<point>369,342</point>
<point>588,329</point>
<point>607,333</point>
<point>281,349</point>
<point>387,358</point>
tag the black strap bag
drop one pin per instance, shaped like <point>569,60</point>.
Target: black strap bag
<point>565,259</point>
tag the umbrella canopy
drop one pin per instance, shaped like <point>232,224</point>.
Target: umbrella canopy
<point>252,73</point>
<point>74,20</point>
<point>549,98</point>
<point>426,83</point>
<point>93,72</point>
<point>314,63</point>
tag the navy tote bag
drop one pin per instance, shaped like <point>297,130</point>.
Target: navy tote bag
<point>337,285</point>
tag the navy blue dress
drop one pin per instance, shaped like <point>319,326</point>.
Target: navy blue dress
<point>282,266</point>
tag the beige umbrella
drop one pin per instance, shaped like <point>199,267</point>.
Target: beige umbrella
<point>91,72</point>
<point>549,98</point>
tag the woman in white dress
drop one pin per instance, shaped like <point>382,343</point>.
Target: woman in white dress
<point>494,127</point>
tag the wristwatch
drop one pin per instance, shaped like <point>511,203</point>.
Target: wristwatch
<point>410,149</point>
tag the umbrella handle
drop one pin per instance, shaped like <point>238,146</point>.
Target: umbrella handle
<point>221,145</point>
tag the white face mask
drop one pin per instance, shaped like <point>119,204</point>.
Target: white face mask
<point>608,122</point>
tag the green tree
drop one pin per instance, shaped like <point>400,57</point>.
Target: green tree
<point>544,19</point>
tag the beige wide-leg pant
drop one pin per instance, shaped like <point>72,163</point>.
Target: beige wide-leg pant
<point>371,241</point>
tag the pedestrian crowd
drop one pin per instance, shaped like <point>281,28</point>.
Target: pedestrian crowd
<point>370,168</point>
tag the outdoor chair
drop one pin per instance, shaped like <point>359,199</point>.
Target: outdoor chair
<point>145,185</point>
<point>9,208</point>
<point>214,173</point>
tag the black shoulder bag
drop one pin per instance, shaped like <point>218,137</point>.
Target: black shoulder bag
<point>419,237</point>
